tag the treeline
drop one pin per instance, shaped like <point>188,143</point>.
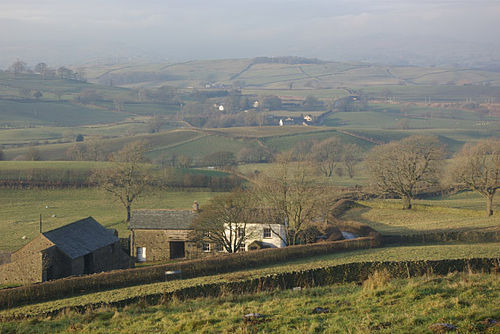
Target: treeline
<point>47,72</point>
<point>290,60</point>
<point>58,178</point>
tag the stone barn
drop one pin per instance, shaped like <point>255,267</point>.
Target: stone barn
<point>158,235</point>
<point>82,247</point>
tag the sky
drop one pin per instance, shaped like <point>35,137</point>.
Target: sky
<point>417,32</point>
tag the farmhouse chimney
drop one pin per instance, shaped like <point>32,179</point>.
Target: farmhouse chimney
<point>196,207</point>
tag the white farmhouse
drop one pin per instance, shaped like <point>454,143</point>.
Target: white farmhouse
<point>266,235</point>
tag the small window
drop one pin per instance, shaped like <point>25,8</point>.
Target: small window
<point>219,248</point>
<point>241,232</point>
<point>141,254</point>
<point>242,247</point>
<point>206,247</point>
<point>267,233</point>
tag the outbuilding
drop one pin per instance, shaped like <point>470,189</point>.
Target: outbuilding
<point>82,247</point>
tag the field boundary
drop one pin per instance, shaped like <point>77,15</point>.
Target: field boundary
<point>77,285</point>
<point>343,273</point>
<point>446,236</point>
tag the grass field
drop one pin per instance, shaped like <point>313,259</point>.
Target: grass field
<point>464,211</point>
<point>109,145</point>
<point>424,252</point>
<point>20,210</point>
<point>392,306</point>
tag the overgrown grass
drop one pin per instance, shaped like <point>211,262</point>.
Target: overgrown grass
<point>20,210</point>
<point>465,211</point>
<point>398,305</point>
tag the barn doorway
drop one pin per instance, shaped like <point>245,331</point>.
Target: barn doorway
<point>177,249</point>
<point>88,264</point>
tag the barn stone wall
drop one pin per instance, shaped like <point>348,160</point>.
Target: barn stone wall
<point>27,270</point>
<point>157,243</point>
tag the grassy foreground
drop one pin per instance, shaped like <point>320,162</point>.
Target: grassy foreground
<point>401,253</point>
<point>381,305</point>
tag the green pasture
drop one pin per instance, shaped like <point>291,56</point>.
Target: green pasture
<point>109,145</point>
<point>423,252</point>
<point>359,179</point>
<point>11,86</point>
<point>20,210</point>
<point>392,306</point>
<point>53,134</point>
<point>265,131</point>
<point>324,93</point>
<point>200,147</point>
<point>436,93</point>
<point>286,142</point>
<point>22,114</point>
<point>464,211</point>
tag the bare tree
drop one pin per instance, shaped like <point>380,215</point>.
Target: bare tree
<point>292,196</point>
<point>224,222</point>
<point>351,155</point>
<point>477,167</point>
<point>40,68</point>
<point>18,66</point>
<point>129,176</point>
<point>327,154</point>
<point>155,123</point>
<point>401,168</point>
<point>33,154</point>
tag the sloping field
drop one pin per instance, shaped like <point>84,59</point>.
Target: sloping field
<point>21,114</point>
<point>58,151</point>
<point>465,211</point>
<point>430,252</point>
<point>392,306</point>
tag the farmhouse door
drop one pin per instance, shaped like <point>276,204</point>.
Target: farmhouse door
<point>177,250</point>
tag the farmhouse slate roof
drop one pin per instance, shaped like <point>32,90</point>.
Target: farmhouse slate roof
<point>81,237</point>
<point>162,219</point>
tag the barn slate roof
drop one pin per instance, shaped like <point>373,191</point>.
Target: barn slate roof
<point>162,219</point>
<point>81,237</point>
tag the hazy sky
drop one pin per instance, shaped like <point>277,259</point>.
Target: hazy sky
<point>414,31</point>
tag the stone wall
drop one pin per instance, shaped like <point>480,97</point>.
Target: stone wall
<point>27,264</point>
<point>110,257</point>
<point>157,243</point>
<point>22,271</point>
<point>4,257</point>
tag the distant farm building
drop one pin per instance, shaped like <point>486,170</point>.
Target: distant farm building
<point>82,247</point>
<point>159,235</point>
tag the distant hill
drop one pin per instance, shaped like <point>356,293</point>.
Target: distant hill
<point>284,73</point>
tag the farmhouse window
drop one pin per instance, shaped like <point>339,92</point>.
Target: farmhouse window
<point>141,254</point>
<point>267,233</point>
<point>206,247</point>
